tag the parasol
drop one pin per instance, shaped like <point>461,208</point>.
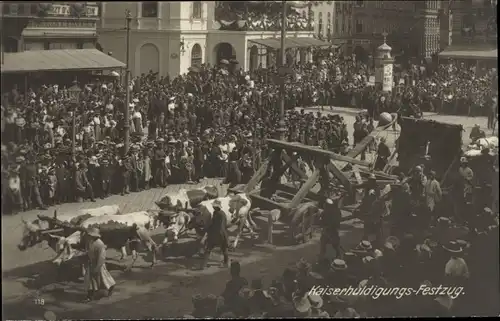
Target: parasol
<point>224,62</point>
<point>233,62</point>
<point>115,74</point>
<point>194,69</point>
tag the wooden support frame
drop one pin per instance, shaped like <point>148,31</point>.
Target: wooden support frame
<point>324,163</point>
<point>315,151</point>
<point>292,162</point>
<point>257,177</point>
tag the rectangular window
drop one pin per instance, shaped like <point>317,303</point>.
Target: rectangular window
<point>359,27</point>
<point>197,9</point>
<point>46,46</point>
<point>360,3</point>
<point>150,9</point>
<point>79,45</point>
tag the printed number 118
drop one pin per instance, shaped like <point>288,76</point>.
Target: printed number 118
<point>39,301</point>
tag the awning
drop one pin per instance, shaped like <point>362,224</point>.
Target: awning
<point>456,53</point>
<point>58,60</point>
<point>290,42</point>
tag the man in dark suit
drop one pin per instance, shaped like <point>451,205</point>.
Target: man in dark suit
<point>217,234</point>
<point>106,175</point>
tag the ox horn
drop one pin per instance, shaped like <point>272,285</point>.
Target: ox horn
<point>57,237</point>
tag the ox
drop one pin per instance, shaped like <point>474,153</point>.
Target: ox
<point>32,233</point>
<point>236,208</point>
<point>119,238</point>
<point>188,199</point>
<point>67,245</point>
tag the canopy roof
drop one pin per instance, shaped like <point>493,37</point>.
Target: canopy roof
<point>469,53</point>
<point>58,60</point>
<point>291,42</point>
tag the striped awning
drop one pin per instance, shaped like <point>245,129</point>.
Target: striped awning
<point>58,60</point>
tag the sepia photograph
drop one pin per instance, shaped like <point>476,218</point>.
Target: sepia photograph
<point>249,159</point>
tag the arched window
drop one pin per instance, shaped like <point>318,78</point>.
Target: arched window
<point>320,24</point>
<point>196,56</point>
<point>197,9</point>
<point>150,9</point>
<point>336,29</point>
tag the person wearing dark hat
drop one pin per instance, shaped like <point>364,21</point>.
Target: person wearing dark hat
<point>107,171</point>
<point>233,287</point>
<point>217,234</point>
<point>96,276</point>
<point>331,217</point>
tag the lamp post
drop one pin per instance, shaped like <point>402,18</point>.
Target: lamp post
<point>74,94</point>
<point>283,72</point>
<point>126,123</point>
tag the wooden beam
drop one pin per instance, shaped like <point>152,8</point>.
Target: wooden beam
<point>315,151</point>
<point>377,173</point>
<point>289,189</point>
<point>271,202</point>
<point>291,161</point>
<point>257,177</point>
<point>305,189</point>
<point>339,175</point>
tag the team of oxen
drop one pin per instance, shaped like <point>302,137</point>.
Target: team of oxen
<point>178,213</point>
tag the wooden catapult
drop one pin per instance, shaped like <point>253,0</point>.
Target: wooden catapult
<point>345,172</point>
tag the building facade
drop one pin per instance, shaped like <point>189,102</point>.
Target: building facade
<point>469,23</point>
<point>45,26</point>
<point>170,37</point>
<point>412,27</point>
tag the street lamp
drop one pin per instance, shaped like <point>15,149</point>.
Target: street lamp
<point>126,112</point>
<point>283,72</point>
<point>74,94</point>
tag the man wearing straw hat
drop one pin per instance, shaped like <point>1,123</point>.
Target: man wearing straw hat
<point>96,276</point>
<point>217,234</point>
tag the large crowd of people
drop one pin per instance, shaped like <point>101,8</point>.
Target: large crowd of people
<point>429,266</point>
<point>434,276</point>
<point>211,122</point>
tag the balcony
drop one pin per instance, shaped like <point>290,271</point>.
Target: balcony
<point>258,17</point>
